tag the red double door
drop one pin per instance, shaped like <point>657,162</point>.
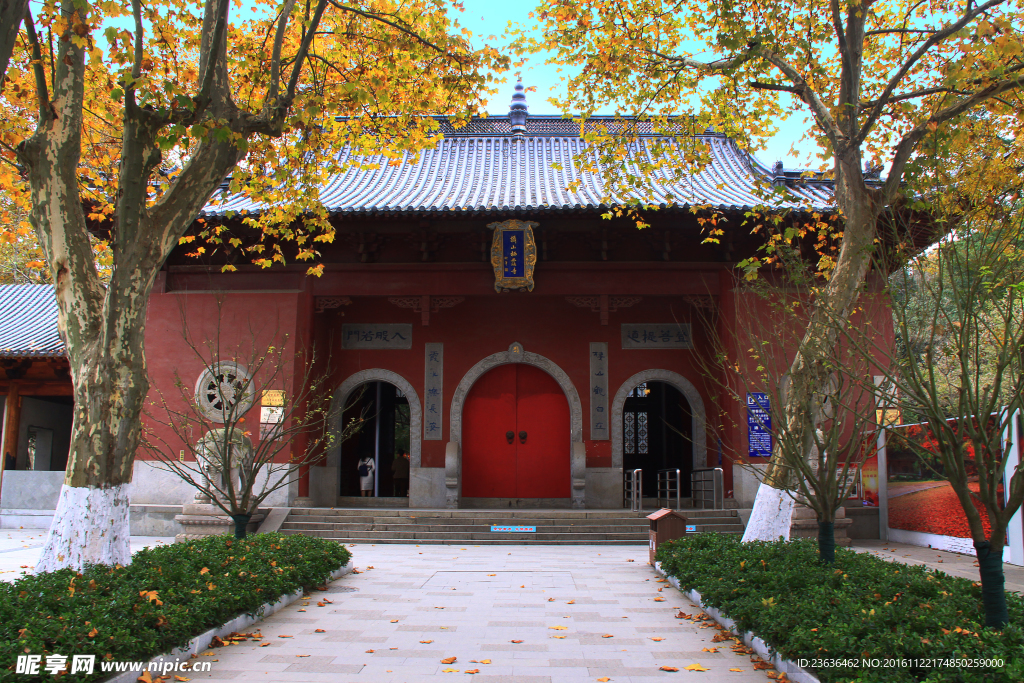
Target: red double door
<point>515,436</point>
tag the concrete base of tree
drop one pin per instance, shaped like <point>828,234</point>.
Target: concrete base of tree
<point>201,520</point>
<point>805,525</point>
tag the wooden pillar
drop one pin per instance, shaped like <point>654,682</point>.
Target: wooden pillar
<point>304,345</point>
<point>12,422</point>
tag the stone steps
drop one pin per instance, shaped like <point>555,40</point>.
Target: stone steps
<point>472,526</point>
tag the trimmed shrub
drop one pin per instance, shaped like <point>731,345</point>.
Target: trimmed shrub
<point>860,608</point>
<point>164,598</point>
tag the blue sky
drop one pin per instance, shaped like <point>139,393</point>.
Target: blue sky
<point>487,17</point>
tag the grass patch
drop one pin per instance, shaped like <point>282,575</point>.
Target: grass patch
<point>862,607</point>
<point>164,598</point>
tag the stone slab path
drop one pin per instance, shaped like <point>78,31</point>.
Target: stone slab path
<point>20,548</point>
<point>418,605</point>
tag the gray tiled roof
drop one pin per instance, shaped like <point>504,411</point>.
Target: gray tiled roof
<point>481,168</point>
<point>28,322</point>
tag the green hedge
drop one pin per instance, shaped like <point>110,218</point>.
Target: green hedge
<point>862,607</point>
<point>164,598</point>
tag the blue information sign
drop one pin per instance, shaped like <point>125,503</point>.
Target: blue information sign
<point>759,425</point>
<point>512,251</point>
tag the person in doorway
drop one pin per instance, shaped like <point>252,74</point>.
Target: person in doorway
<point>400,472</point>
<point>367,470</point>
<point>10,462</point>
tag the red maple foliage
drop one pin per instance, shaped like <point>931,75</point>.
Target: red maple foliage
<point>935,511</point>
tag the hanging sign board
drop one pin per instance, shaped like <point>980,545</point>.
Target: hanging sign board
<point>759,425</point>
<point>376,336</point>
<point>513,255</point>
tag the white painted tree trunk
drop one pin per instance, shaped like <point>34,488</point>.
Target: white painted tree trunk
<point>90,526</point>
<point>772,515</point>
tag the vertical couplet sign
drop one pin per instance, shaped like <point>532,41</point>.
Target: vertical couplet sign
<point>759,425</point>
<point>599,391</point>
<point>433,391</point>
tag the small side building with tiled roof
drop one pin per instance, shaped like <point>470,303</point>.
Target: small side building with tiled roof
<point>35,392</point>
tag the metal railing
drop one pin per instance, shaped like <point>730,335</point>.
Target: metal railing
<point>707,488</point>
<point>633,490</point>
<point>670,484</point>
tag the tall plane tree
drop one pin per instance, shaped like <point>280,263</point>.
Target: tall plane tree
<point>879,78</point>
<point>121,121</point>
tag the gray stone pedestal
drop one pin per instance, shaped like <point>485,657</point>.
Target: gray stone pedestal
<point>805,525</point>
<point>199,520</point>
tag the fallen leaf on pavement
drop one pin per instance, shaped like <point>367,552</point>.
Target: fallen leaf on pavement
<point>515,641</point>
<point>735,669</point>
<point>713,650</point>
<point>394,621</point>
<point>450,671</point>
<point>762,665</point>
<point>320,630</point>
<point>658,639</point>
<point>286,636</point>
<point>696,667</point>
<point>435,607</point>
<point>683,615</point>
<point>670,668</point>
<point>630,560</point>
<point>607,635</point>
<point>301,655</point>
<point>267,644</point>
<point>181,678</point>
<point>485,661</point>
<point>659,599</point>
<point>426,641</point>
<point>472,671</point>
<point>603,679</point>
<point>558,628</point>
<point>449,660</point>
<point>558,636</point>
<point>551,599</point>
<point>492,575</point>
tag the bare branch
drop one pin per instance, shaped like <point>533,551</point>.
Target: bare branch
<point>42,92</point>
<point>885,31</point>
<point>774,86</point>
<point>807,94</point>
<point>11,14</point>
<point>300,56</point>
<point>932,40</point>
<point>714,67</point>
<point>275,59</point>
<point>907,145</point>
<point>376,16</point>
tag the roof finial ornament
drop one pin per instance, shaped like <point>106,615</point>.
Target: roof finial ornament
<point>518,112</point>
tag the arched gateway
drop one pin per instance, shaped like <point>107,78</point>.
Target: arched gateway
<point>325,489</point>
<point>516,434</point>
<point>685,387</point>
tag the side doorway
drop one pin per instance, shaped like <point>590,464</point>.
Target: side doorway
<point>657,434</point>
<point>383,438</point>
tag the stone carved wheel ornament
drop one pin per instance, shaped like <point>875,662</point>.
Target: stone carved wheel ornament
<point>224,386</point>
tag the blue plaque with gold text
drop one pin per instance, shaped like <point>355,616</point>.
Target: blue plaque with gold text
<point>513,255</point>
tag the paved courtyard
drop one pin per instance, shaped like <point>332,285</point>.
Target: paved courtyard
<point>582,613</point>
<point>525,614</point>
